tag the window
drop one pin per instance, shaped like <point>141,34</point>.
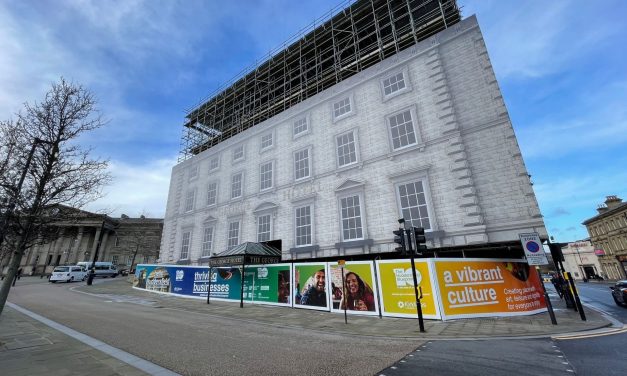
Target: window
<point>265,176</point>
<point>129,260</point>
<point>266,141</point>
<point>303,226</point>
<point>394,84</point>
<point>185,243</point>
<point>402,130</point>
<point>236,185</point>
<point>341,108</point>
<point>264,226</point>
<point>193,173</point>
<point>413,204</point>
<point>214,163</point>
<point>114,259</point>
<point>207,241</point>
<point>301,127</point>
<point>212,193</point>
<point>117,241</point>
<point>301,164</point>
<point>351,218</point>
<point>346,150</point>
<point>189,200</point>
<point>233,236</point>
<point>238,153</point>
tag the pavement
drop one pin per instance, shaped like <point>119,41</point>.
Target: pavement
<point>32,345</point>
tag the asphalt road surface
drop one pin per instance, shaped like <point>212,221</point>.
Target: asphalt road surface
<point>196,344</point>
<point>604,355</point>
<point>585,355</point>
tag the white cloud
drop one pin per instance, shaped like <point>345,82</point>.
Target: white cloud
<point>136,189</point>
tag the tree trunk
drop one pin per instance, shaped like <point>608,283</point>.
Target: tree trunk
<point>14,265</point>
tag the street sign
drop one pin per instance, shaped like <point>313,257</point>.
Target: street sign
<point>533,249</point>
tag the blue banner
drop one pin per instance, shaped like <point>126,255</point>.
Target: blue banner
<point>189,280</point>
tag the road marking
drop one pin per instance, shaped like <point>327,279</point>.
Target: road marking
<point>591,335</point>
<point>130,359</point>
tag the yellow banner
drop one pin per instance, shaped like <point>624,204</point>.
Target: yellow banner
<point>474,287</point>
<point>396,288</point>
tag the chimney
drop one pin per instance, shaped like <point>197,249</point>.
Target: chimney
<point>602,208</point>
<point>124,216</point>
<point>612,201</point>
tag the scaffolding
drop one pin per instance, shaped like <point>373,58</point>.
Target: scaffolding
<point>345,41</point>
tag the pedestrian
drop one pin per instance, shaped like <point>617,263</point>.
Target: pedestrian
<point>19,273</point>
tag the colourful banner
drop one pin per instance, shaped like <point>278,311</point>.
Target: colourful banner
<point>396,284</point>
<point>310,286</point>
<point>268,284</point>
<point>361,296</point>
<point>487,287</point>
<point>189,280</point>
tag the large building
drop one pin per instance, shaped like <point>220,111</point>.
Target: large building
<point>582,259</point>
<point>386,110</point>
<point>608,234</point>
<point>124,241</point>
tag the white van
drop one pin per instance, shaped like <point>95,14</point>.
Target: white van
<point>102,268</point>
<point>68,273</point>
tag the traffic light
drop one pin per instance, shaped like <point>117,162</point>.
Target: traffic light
<point>399,238</point>
<point>419,235</point>
<point>556,252</point>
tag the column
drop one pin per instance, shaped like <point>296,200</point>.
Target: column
<point>95,245</point>
<point>77,250</point>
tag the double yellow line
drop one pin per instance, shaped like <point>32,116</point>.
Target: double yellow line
<point>591,335</point>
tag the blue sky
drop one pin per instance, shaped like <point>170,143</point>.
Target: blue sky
<point>560,64</point>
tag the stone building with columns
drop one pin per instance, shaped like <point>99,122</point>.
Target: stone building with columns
<point>124,240</point>
<point>608,234</point>
<point>386,110</point>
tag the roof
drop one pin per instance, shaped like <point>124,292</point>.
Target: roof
<point>607,213</point>
<point>250,248</point>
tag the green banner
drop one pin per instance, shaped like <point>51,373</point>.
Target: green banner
<point>269,284</point>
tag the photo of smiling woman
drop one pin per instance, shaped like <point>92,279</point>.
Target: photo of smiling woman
<point>359,296</point>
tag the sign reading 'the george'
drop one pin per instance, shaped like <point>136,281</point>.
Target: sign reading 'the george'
<point>533,249</point>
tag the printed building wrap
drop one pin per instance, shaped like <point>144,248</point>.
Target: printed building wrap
<point>384,110</point>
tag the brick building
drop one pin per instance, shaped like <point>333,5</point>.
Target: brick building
<point>421,132</point>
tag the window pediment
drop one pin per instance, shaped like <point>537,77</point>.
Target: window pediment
<point>350,184</point>
<point>266,206</point>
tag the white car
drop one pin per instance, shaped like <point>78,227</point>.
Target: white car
<point>68,274</point>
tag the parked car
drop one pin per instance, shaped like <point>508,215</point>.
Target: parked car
<point>102,268</point>
<point>619,293</point>
<point>67,273</point>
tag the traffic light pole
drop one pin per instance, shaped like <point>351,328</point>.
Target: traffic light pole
<point>415,277</point>
<point>418,305</point>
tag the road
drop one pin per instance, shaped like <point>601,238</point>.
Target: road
<point>586,355</point>
<point>196,344</point>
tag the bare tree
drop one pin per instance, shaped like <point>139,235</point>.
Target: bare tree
<point>55,172</point>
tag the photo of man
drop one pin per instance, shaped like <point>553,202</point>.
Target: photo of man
<point>316,294</point>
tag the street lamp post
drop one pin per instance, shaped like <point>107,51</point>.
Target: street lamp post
<point>583,271</point>
<point>6,218</point>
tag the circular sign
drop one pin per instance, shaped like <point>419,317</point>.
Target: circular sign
<point>532,246</point>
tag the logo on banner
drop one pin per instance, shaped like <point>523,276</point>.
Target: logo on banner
<point>262,273</point>
<point>179,275</point>
<point>404,277</point>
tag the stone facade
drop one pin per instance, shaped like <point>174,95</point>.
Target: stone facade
<point>581,260</point>
<point>608,232</point>
<point>440,151</point>
<point>78,240</point>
